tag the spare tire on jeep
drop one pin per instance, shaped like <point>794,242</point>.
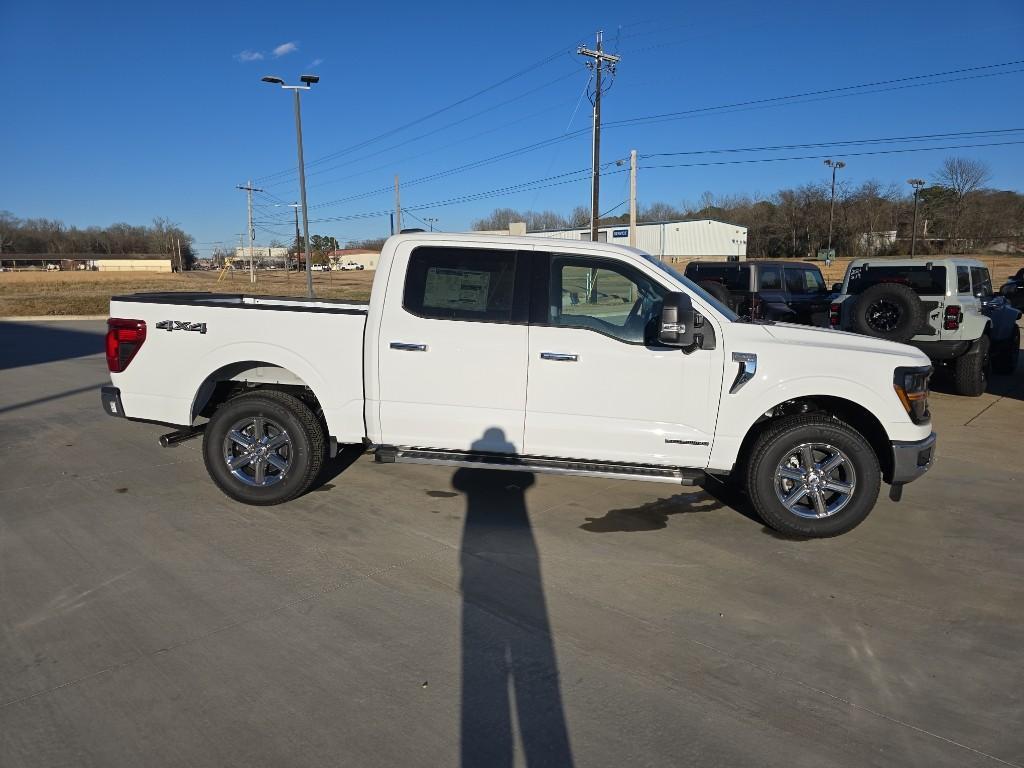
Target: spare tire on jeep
<point>890,311</point>
<point>720,292</point>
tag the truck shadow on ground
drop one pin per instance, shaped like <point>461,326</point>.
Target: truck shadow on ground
<point>36,343</point>
<point>652,516</point>
<point>347,456</point>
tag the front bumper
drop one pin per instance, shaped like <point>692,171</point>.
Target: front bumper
<point>910,460</point>
<point>110,397</point>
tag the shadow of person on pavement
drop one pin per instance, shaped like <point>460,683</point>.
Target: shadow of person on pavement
<point>508,655</point>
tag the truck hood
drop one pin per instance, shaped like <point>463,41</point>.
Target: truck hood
<point>807,336</point>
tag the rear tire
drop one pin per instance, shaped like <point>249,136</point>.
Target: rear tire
<point>264,447</point>
<point>812,476</point>
<point>971,371</point>
<point>1006,361</point>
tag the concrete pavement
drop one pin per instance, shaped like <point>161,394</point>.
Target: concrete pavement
<point>416,616</point>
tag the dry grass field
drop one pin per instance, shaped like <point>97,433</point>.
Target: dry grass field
<point>25,294</point>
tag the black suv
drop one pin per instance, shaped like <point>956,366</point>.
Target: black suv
<point>788,291</point>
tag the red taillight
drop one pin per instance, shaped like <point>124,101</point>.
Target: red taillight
<point>124,338</point>
<point>833,315</point>
<point>951,318</point>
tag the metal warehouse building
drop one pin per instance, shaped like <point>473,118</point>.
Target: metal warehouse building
<point>670,239</point>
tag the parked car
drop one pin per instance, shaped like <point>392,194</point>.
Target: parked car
<point>1013,289</point>
<point>943,307</point>
<point>351,265</point>
<point>788,291</point>
<point>533,355</point>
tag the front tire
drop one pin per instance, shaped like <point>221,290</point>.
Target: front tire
<point>812,477</point>
<point>970,371</point>
<point>264,447</point>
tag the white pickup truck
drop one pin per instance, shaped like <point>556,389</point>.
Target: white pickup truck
<point>528,354</point>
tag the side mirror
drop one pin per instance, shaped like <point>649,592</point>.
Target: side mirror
<point>837,287</point>
<point>677,321</point>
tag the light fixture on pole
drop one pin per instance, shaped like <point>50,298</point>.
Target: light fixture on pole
<point>430,221</point>
<point>307,82</point>
<point>835,165</point>
<point>916,184</point>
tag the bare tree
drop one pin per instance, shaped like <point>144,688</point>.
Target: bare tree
<point>580,216</point>
<point>961,177</point>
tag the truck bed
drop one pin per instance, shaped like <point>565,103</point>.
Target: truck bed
<point>193,338</point>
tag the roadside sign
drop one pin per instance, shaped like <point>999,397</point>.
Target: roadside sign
<point>827,254</point>
<point>620,233</point>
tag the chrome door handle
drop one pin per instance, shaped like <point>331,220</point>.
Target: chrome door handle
<point>408,347</point>
<point>559,356</point>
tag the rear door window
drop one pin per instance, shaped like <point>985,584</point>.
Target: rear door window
<point>923,280</point>
<point>461,284</point>
<point>734,277</point>
<point>963,280</point>
<point>800,281</point>
<point>771,279</point>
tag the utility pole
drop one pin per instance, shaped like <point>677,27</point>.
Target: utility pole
<point>298,239</point>
<point>430,221</point>
<point>249,189</point>
<point>180,267</point>
<point>916,184</point>
<point>632,198</point>
<point>598,59</point>
<point>398,209</point>
<point>835,165</point>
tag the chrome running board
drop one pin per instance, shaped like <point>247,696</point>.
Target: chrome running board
<point>482,460</point>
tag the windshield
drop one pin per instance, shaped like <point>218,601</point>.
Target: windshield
<point>692,286</point>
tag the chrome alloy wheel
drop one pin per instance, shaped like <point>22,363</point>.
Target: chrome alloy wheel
<point>815,480</point>
<point>257,451</point>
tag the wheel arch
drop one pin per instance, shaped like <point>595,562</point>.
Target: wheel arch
<point>847,411</point>
<point>228,380</point>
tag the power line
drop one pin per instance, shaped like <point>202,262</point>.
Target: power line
<point>536,65</point>
<point>469,197</point>
<point>845,154</point>
<point>890,140</point>
<point>439,130</point>
<point>834,92</point>
<point>700,111</point>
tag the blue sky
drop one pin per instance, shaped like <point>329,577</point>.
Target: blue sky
<point>122,112</point>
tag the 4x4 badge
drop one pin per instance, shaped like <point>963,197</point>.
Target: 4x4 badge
<point>181,325</point>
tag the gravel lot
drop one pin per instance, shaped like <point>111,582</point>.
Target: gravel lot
<point>414,616</point>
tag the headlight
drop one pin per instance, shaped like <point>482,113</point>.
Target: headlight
<point>911,385</point>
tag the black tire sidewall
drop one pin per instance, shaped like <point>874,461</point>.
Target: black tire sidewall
<point>294,482</point>
<point>761,479</point>
<point>910,307</point>
<point>971,371</point>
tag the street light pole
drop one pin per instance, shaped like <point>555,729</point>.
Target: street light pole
<point>916,184</point>
<point>835,165</point>
<point>430,221</point>
<point>308,81</point>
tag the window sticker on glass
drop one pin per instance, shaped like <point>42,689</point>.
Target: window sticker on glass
<point>456,289</point>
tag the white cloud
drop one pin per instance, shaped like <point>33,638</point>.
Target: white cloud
<point>284,49</point>
<point>248,55</point>
<point>314,63</point>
